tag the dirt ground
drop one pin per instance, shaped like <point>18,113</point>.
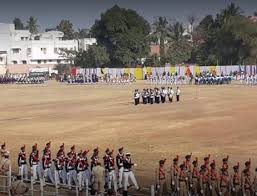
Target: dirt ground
<point>219,120</point>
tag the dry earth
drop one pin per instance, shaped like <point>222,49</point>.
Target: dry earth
<point>219,120</point>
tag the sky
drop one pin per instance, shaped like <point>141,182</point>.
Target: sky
<point>83,13</point>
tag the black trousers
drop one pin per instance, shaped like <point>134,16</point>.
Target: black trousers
<point>151,100</point>
<point>157,100</point>
<point>144,100</point>
<point>177,98</point>
<point>163,99</point>
<point>170,99</point>
<point>137,101</point>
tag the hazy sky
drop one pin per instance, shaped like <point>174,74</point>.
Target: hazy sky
<point>83,13</point>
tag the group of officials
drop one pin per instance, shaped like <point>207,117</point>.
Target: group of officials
<point>208,180</point>
<point>156,95</point>
<point>74,169</point>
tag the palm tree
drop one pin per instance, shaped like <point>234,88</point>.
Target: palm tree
<point>161,32</point>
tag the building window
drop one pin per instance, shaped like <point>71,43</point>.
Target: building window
<point>39,61</point>
<point>29,51</point>
<point>56,50</point>
<point>22,38</point>
<point>14,62</point>
<point>50,61</point>
<point>58,61</point>
<point>1,59</point>
<point>24,62</point>
<point>43,50</point>
<point>45,61</point>
<point>15,51</point>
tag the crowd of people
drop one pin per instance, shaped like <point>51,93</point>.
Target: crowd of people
<point>21,79</point>
<point>95,79</point>
<point>156,95</point>
<point>74,168</point>
<point>187,177</point>
<point>209,78</point>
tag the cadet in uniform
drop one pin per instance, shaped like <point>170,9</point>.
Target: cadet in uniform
<point>151,96</point>
<point>163,95</point>
<point>174,170</point>
<point>224,182</point>
<point>225,162</point>
<point>60,173</point>
<point>110,166</point>
<point>119,162</point>
<point>94,158</point>
<point>136,97</point>
<point>183,181</point>
<point>247,180</point>
<point>2,150</point>
<point>144,96</point>
<point>204,180</point>
<point>47,163</point>
<point>72,174</point>
<point>214,180</point>
<point>98,174</point>
<point>236,181</point>
<point>177,94</point>
<point>34,163</point>
<point>161,182</point>
<point>170,94</point>
<point>157,96</point>
<point>18,187</point>
<point>128,173</point>
<point>22,163</point>
<point>81,168</point>
<point>194,181</point>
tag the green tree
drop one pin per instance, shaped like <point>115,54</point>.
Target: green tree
<point>67,28</point>
<point>18,24</point>
<point>124,34</point>
<point>95,56</point>
<point>161,32</point>
<point>32,25</point>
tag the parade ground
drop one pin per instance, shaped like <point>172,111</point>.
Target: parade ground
<point>217,120</point>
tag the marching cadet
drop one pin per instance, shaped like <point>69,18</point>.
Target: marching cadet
<point>194,181</point>
<point>60,172</point>
<point>183,181</point>
<point>163,95</point>
<point>236,181</point>
<point>128,173</point>
<point>157,95</point>
<point>136,97</point>
<point>110,166</point>
<point>170,94</point>
<point>94,158</point>
<point>4,169</point>
<point>71,172</point>
<point>22,163</point>
<point>174,170</point>
<point>46,163</point>
<point>148,95</point>
<point>87,172</point>
<point>177,93</point>
<point>105,158</point>
<point>188,169</point>
<point>98,174</point>
<point>34,163</point>
<point>161,178</point>
<point>225,162</point>
<point>206,162</point>
<point>18,187</point>
<point>214,183</point>
<point>81,168</point>
<point>224,182</point>
<point>151,96</point>
<point>119,162</point>
<point>73,152</point>
<point>204,179</point>
<point>247,180</point>
<point>144,96</point>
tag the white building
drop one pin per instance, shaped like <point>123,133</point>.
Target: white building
<point>21,47</point>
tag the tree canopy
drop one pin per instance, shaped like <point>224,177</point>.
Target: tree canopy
<point>32,25</point>
<point>67,28</point>
<point>124,34</point>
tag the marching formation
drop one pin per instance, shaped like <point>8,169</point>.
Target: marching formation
<point>21,79</point>
<point>156,95</point>
<point>210,78</point>
<point>208,179</point>
<point>75,168</point>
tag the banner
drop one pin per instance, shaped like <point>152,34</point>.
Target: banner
<point>126,71</point>
<point>138,73</point>
<point>172,69</point>
<point>148,70</point>
<point>212,69</point>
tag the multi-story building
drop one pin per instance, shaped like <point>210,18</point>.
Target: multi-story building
<point>21,47</point>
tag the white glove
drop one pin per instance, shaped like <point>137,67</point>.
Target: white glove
<point>158,186</point>
<point>201,191</point>
<point>210,187</point>
<point>135,164</point>
<point>219,193</point>
<point>173,183</point>
<point>178,189</point>
<point>191,185</point>
<point>233,189</point>
<point>186,179</point>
